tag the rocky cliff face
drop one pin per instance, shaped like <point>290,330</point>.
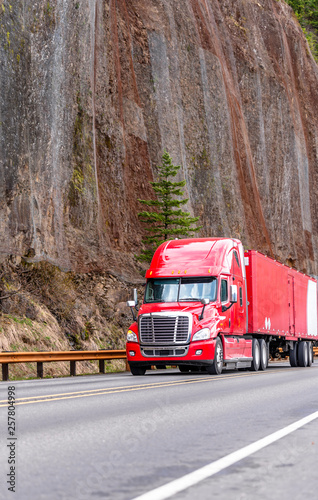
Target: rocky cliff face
<point>92,91</point>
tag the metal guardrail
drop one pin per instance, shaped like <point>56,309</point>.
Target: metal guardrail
<point>49,356</point>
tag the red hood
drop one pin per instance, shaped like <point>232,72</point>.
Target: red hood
<point>191,307</point>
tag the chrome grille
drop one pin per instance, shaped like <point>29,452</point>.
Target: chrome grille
<point>164,329</point>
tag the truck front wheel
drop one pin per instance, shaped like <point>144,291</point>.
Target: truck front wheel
<point>256,353</point>
<point>217,365</point>
<point>137,370</point>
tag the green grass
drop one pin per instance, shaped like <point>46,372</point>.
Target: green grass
<point>306,12</point>
<point>21,321</point>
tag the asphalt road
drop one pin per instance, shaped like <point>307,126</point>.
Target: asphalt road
<point>118,436</point>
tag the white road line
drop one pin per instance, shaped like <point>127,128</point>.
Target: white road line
<point>181,484</point>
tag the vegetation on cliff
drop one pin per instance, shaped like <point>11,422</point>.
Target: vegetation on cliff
<point>45,309</point>
<point>307,14</point>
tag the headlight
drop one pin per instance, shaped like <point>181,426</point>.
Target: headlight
<point>131,336</point>
<point>202,334</point>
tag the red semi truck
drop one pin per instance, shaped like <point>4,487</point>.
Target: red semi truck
<point>208,306</point>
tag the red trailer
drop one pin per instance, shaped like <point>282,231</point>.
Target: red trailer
<point>282,303</point>
<point>208,306</point>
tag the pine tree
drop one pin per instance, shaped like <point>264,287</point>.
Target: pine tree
<point>167,220</point>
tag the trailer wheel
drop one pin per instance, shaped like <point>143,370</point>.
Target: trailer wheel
<point>267,350</point>
<point>256,353</point>
<point>217,365</point>
<point>310,354</point>
<point>302,354</point>
<point>137,370</point>
<point>263,354</point>
<point>293,355</point>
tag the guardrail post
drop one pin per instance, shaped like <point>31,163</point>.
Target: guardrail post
<point>5,371</point>
<point>127,366</point>
<point>101,366</point>
<point>73,368</point>
<point>39,369</point>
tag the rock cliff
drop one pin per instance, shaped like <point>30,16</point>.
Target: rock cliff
<point>92,91</point>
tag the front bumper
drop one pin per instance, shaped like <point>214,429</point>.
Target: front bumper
<point>159,356</point>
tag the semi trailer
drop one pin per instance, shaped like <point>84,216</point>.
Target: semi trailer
<point>208,305</point>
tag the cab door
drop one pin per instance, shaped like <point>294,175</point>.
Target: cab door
<point>238,308</point>
<point>224,299</point>
<point>239,321</point>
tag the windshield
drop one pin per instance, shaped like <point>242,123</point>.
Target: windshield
<point>180,289</point>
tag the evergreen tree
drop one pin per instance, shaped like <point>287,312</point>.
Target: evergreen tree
<point>167,220</point>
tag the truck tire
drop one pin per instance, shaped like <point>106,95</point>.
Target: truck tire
<point>302,354</point>
<point>263,354</point>
<point>137,370</point>
<point>310,354</point>
<point>256,353</point>
<point>293,359</point>
<point>217,365</point>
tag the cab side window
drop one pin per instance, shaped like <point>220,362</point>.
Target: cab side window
<point>236,268</point>
<point>224,291</point>
<point>237,259</point>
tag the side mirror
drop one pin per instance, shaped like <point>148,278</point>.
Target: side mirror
<point>131,303</point>
<point>204,302</point>
<point>233,294</point>
<point>136,299</point>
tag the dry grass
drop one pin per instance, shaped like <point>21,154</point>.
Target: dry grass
<point>55,311</point>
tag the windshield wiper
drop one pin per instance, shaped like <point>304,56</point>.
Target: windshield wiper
<point>190,299</point>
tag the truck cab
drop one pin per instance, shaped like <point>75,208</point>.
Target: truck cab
<point>194,312</point>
